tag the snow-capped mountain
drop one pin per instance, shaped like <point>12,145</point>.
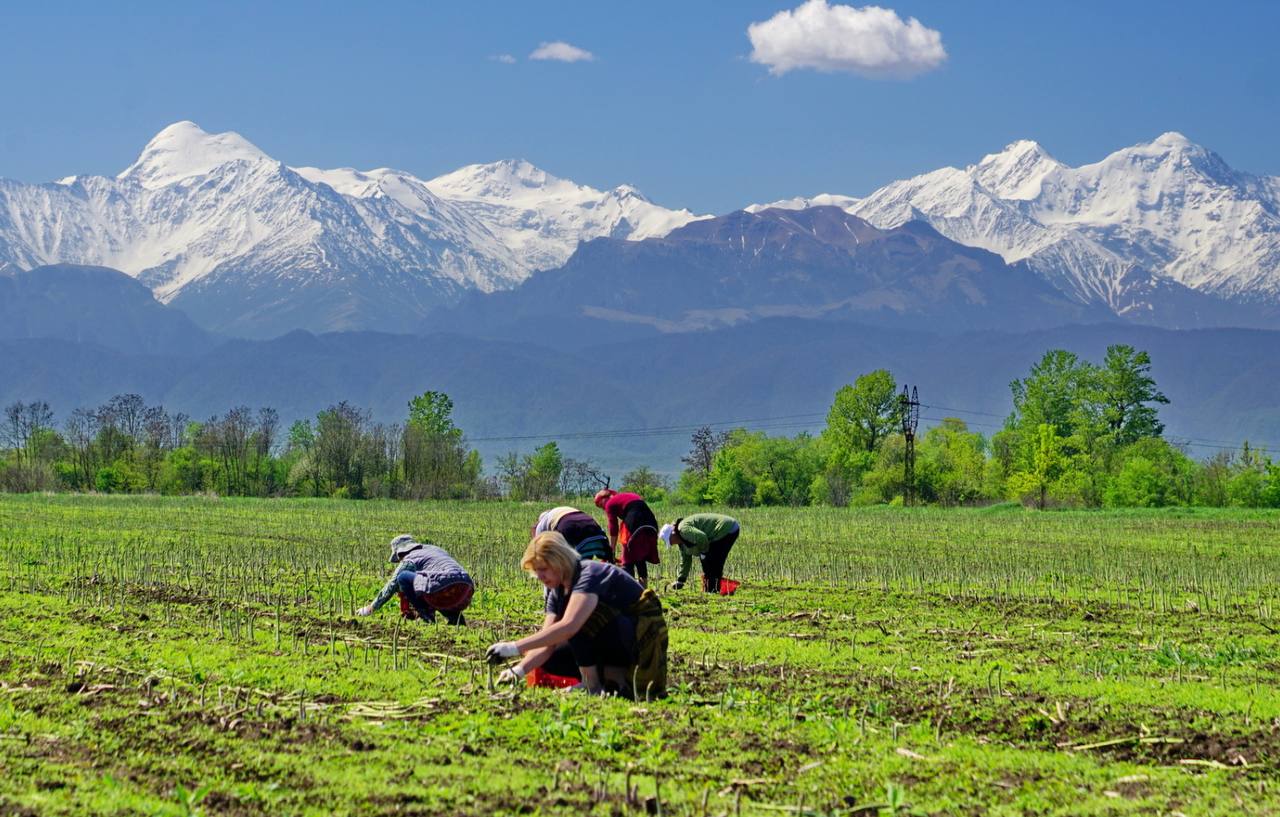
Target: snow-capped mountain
<point>542,218</point>
<point>247,245</point>
<point>805,202</point>
<point>1169,214</point>
<point>1163,233</point>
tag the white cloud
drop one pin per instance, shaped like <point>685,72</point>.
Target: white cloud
<point>562,52</point>
<point>871,41</point>
<point>505,59</point>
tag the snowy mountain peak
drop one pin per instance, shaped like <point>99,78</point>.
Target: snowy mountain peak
<point>505,181</point>
<point>183,150</point>
<point>1019,148</point>
<point>1170,158</point>
<point>1173,139</point>
<point>364,184</point>
<point>805,202</point>
<point>542,217</point>
<point>1171,146</point>
<point>1015,172</point>
<point>520,171</point>
<point>245,244</point>
<point>626,191</point>
<point>1170,207</point>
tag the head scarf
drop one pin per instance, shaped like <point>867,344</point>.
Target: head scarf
<point>603,495</point>
<point>544,523</point>
<point>665,533</point>
<point>549,519</point>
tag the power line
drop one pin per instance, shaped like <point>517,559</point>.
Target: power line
<point>811,419</point>
<point>1191,442</point>
<point>763,423</point>
<point>962,411</point>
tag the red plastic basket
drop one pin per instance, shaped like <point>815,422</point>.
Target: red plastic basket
<point>541,678</point>
<point>727,586</point>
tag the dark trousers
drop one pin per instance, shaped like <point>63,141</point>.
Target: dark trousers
<point>425,611</point>
<point>612,645</point>
<point>638,571</point>
<point>713,562</point>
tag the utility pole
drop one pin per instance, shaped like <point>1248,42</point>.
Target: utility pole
<point>909,410</point>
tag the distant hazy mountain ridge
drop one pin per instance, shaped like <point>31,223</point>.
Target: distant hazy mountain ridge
<point>94,305</point>
<point>819,263</point>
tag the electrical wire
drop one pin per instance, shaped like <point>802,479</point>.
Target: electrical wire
<point>816,419</point>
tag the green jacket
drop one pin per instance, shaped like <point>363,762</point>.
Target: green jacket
<point>698,532</point>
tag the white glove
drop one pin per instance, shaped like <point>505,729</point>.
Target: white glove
<point>367,610</point>
<point>511,675</point>
<point>502,651</point>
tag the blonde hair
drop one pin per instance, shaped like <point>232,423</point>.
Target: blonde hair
<point>551,550</point>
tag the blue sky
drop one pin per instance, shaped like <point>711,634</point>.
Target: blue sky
<point>671,102</point>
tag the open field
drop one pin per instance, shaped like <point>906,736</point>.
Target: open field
<point>184,656</point>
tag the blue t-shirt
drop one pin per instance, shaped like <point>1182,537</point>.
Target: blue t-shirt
<point>609,583</point>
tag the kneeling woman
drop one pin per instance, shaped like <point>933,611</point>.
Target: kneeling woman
<point>428,580</point>
<point>600,625</point>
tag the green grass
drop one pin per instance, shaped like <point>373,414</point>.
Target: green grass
<point>199,656</point>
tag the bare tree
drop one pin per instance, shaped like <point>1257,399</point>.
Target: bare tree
<point>156,429</point>
<point>178,428</point>
<point>268,427</point>
<point>511,472</point>
<point>394,452</point>
<point>12,429</point>
<point>706,443</point>
<point>339,429</point>
<point>129,412</point>
<point>233,448</point>
<point>264,440</point>
<point>111,440</point>
<point>581,478</point>
<point>81,431</point>
<point>23,423</point>
<point>156,435</point>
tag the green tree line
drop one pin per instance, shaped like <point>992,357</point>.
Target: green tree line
<point>1080,435</point>
<point>126,446</point>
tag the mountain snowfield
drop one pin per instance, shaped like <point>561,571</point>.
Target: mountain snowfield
<point>537,215</point>
<point>250,246</point>
<point>1163,233</point>
<point>1166,219</point>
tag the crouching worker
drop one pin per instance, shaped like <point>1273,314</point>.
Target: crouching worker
<point>428,580</point>
<point>633,531</point>
<point>600,626</point>
<point>579,529</point>
<point>710,537</point>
